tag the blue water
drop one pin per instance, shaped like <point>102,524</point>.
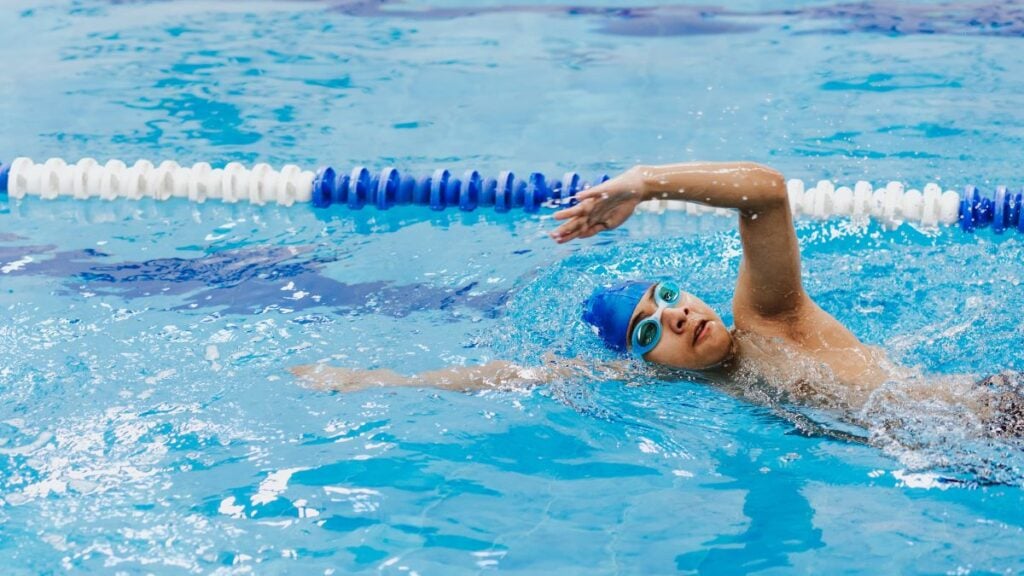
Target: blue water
<point>148,421</point>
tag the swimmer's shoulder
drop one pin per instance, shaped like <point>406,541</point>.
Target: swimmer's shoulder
<point>805,346</point>
<point>805,325</point>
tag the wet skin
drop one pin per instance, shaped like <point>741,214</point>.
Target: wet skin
<point>693,336</point>
<point>769,301</point>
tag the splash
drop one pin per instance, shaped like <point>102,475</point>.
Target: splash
<point>965,432</point>
<point>973,430</point>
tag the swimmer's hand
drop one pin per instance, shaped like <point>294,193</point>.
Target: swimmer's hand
<point>758,192</point>
<point>602,207</point>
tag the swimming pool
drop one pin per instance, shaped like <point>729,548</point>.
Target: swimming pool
<point>149,420</point>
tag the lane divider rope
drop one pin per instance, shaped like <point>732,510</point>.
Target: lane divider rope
<point>891,204</point>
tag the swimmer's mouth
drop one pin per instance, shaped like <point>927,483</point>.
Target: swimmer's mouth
<point>699,330</point>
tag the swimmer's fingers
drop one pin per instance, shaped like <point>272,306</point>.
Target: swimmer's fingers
<point>600,208</point>
<point>578,210</point>
<point>592,229</point>
<point>599,192</point>
<point>585,225</point>
<point>570,230</point>
<point>581,229</point>
<point>577,217</point>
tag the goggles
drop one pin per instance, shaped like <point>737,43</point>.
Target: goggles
<point>647,332</point>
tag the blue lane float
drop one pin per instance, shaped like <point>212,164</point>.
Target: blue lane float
<point>1002,211</point>
<point>442,190</point>
<point>470,190</point>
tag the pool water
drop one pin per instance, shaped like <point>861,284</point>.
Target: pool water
<point>148,418</point>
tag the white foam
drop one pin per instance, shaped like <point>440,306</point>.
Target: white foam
<point>273,486</point>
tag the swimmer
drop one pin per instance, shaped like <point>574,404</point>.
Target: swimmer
<point>783,347</point>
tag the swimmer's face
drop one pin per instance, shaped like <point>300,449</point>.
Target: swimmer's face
<point>693,336</point>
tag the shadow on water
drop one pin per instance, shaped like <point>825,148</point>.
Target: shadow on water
<point>881,17</point>
<point>535,450</point>
<point>780,523</point>
<point>245,281</point>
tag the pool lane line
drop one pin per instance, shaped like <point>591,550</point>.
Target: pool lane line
<point>892,204</point>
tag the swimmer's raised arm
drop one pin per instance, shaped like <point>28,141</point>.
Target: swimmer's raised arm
<point>742,185</point>
<point>769,281</point>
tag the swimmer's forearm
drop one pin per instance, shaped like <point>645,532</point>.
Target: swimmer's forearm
<point>744,185</point>
<point>499,374</point>
<point>324,377</point>
<point>493,375</point>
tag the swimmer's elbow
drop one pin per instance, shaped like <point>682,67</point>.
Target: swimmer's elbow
<point>771,183</point>
<point>766,184</point>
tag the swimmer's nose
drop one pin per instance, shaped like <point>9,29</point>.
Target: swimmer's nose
<point>676,318</point>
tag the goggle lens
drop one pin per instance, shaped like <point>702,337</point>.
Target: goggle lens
<point>646,333</point>
<point>668,292</point>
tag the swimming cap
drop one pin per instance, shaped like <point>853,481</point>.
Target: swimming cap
<point>609,309</point>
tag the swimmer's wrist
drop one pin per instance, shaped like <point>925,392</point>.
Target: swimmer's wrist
<point>642,181</point>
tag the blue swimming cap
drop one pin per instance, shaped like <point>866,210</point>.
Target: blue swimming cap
<point>609,309</point>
